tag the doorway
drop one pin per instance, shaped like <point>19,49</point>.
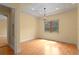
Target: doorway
<point>6,30</point>
<point>3,30</point>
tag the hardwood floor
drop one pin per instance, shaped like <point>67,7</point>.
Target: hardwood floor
<point>4,47</point>
<point>6,50</point>
<point>46,47</point>
<point>40,47</point>
<point>3,41</point>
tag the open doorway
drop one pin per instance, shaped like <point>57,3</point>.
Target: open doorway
<point>6,30</point>
<point>3,30</point>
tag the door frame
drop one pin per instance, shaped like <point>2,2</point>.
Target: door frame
<point>11,28</point>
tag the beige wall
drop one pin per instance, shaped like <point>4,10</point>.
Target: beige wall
<point>78,27</point>
<point>3,28</point>
<point>67,27</point>
<point>27,27</point>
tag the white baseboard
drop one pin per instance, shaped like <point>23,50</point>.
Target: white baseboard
<point>59,41</point>
<point>26,39</point>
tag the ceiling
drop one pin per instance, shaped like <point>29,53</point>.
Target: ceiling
<point>37,9</point>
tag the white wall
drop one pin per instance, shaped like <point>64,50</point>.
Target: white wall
<point>67,27</point>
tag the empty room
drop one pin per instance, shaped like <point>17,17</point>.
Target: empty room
<point>48,28</point>
<point>40,29</point>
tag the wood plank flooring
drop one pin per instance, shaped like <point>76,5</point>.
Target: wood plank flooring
<point>6,50</point>
<point>3,41</point>
<point>4,47</point>
<point>46,47</point>
<point>40,47</point>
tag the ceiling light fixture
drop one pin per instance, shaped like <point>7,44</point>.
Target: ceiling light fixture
<point>33,9</point>
<point>45,18</point>
<point>57,8</point>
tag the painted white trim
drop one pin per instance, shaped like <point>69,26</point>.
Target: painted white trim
<point>27,39</point>
<point>59,40</point>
